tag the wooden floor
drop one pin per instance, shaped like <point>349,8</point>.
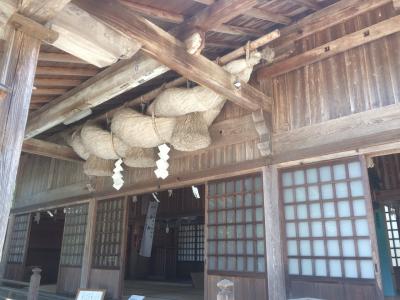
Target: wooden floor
<point>162,290</point>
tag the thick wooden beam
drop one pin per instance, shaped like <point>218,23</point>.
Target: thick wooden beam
<point>265,15</point>
<point>48,149</point>
<point>111,82</point>
<point>42,10</point>
<point>79,33</point>
<point>62,71</point>
<point>218,13</point>
<point>332,48</point>
<point>33,28</point>
<point>17,72</point>
<point>154,12</point>
<point>330,16</point>
<point>311,4</point>
<point>114,81</point>
<point>54,82</point>
<point>361,130</point>
<point>173,54</point>
<point>48,91</point>
<point>238,30</point>
<point>274,243</point>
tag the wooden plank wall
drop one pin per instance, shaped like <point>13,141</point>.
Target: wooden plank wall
<point>361,79</point>
<point>388,170</point>
<point>42,179</point>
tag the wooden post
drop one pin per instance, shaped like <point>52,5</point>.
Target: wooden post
<point>273,244</point>
<point>3,258</point>
<point>87,251</point>
<point>34,283</point>
<point>226,290</point>
<point>17,71</point>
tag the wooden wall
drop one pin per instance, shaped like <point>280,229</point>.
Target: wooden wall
<point>361,79</point>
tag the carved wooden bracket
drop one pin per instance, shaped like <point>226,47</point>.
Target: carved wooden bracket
<point>262,124</point>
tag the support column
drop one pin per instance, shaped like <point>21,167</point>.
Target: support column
<point>17,71</point>
<point>3,258</point>
<point>273,242</point>
<point>88,250</point>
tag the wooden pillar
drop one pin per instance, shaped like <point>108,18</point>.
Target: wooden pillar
<point>273,242</point>
<point>88,249</point>
<point>17,72</point>
<point>3,258</point>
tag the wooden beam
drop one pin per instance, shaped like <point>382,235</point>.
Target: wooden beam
<point>147,97</point>
<point>330,16</point>
<point>332,48</point>
<point>311,4</point>
<point>42,10</point>
<point>60,57</point>
<point>63,71</point>
<point>47,91</point>
<point>227,45</point>
<point>238,30</point>
<point>205,2</point>
<point>80,34</point>
<point>78,192</point>
<point>361,130</point>
<point>154,12</point>
<point>115,81</point>
<point>265,15</point>
<point>55,82</point>
<point>33,28</point>
<point>48,149</point>
<point>274,242</point>
<point>111,82</point>
<point>173,54</point>
<point>17,71</point>
<point>218,13</point>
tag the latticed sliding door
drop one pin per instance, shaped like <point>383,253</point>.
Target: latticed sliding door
<point>109,246</point>
<point>329,231</point>
<point>73,245</point>
<point>236,236</point>
<point>17,248</point>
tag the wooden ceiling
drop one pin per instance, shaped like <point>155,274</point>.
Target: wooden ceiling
<point>59,72</point>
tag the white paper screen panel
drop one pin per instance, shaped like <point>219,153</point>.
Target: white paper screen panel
<point>326,221</point>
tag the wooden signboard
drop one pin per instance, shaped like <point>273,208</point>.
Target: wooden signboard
<point>90,294</point>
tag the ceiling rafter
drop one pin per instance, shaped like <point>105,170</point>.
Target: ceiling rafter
<point>162,46</point>
<point>310,4</point>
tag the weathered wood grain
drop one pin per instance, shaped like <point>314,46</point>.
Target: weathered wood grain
<point>17,72</point>
<point>173,54</point>
<point>332,48</point>
<point>111,82</point>
<point>48,149</point>
<point>273,243</point>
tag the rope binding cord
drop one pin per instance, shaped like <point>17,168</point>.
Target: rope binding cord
<point>153,119</point>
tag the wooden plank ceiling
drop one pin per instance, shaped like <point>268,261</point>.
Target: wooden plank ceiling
<point>59,72</point>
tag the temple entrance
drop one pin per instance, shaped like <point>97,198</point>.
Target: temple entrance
<point>166,261</point>
<point>44,247</point>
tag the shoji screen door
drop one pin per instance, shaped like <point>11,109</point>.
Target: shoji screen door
<point>329,231</point>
